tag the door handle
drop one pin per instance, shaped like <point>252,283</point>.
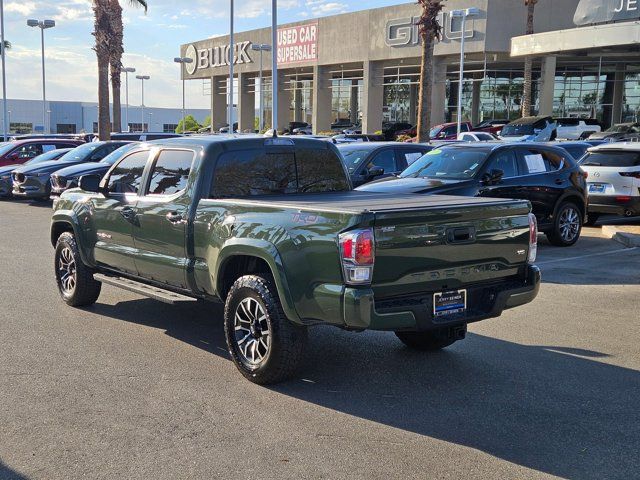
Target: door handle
<point>559,181</point>
<point>174,217</point>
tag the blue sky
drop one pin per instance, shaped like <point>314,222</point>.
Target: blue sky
<point>151,42</point>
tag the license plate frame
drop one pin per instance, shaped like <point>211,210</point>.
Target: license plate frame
<point>450,303</point>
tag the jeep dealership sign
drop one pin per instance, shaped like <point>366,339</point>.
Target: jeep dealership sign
<point>218,56</point>
<point>603,11</point>
<point>298,44</point>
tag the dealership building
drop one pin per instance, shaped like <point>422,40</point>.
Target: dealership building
<point>365,66</point>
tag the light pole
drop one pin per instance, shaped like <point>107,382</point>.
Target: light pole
<point>127,71</point>
<point>142,78</point>
<point>231,62</point>
<point>463,14</point>
<point>274,67</point>
<point>182,61</point>
<point>4,76</point>
<point>261,47</point>
<point>42,25</point>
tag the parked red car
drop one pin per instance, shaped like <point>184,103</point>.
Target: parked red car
<point>491,126</point>
<point>20,151</point>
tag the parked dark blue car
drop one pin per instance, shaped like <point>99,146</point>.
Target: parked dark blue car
<point>5,172</point>
<point>69,177</point>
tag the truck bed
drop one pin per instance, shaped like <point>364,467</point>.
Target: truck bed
<point>357,202</point>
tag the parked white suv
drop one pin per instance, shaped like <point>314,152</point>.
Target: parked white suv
<point>614,179</point>
<point>577,128</point>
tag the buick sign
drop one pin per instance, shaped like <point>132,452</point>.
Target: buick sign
<point>217,56</point>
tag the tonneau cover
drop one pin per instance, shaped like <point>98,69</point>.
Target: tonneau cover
<point>356,202</point>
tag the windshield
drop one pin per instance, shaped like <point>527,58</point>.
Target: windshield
<point>80,153</point>
<point>352,158</point>
<point>117,154</point>
<point>47,156</point>
<point>434,131</point>
<point>611,159</point>
<point>448,163</point>
<point>517,130</point>
<point>621,128</point>
<point>5,147</point>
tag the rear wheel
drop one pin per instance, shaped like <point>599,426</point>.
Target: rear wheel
<point>566,226</point>
<point>432,340</point>
<point>264,345</point>
<point>75,280</point>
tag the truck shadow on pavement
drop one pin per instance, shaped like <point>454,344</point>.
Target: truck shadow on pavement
<point>557,410</point>
<point>7,473</point>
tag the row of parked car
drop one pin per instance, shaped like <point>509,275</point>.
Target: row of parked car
<point>569,184</point>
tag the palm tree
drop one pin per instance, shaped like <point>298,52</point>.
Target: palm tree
<point>528,62</point>
<point>430,31</point>
<point>101,32</point>
<point>117,49</point>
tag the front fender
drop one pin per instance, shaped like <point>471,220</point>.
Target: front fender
<point>269,253</point>
<point>65,220</point>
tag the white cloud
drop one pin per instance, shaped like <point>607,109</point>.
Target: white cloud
<point>324,7</point>
<point>23,8</point>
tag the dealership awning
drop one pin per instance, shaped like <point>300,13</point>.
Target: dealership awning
<point>585,38</point>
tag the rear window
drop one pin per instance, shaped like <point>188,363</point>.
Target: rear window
<point>249,173</point>
<point>612,159</point>
<point>568,122</point>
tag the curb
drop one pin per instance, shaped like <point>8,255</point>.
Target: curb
<point>628,239</point>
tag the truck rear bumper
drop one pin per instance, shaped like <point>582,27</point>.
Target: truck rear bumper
<point>415,312</point>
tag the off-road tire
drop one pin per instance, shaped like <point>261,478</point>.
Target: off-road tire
<point>427,341</point>
<point>287,340</point>
<point>555,235</point>
<point>86,290</point>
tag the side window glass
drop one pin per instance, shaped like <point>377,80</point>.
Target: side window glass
<point>541,161</point>
<point>47,148</point>
<point>411,157</point>
<point>385,159</point>
<point>505,160</point>
<point>451,130</point>
<point>127,175</point>
<point>254,172</point>
<point>170,172</point>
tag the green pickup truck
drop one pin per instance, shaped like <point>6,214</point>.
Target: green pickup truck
<point>272,229</point>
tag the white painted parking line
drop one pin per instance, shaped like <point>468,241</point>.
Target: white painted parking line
<point>568,259</point>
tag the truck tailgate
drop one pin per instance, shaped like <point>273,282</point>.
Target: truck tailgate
<point>450,246</point>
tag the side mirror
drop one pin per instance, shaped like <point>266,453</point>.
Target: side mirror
<point>441,135</point>
<point>376,171</point>
<point>492,177</point>
<point>90,183</point>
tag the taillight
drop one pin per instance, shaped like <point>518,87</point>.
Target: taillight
<point>357,252</point>
<point>630,174</point>
<point>533,238</point>
<point>623,199</point>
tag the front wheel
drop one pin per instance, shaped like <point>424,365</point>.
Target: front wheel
<point>566,226</point>
<point>432,340</point>
<point>264,345</point>
<point>75,280</point>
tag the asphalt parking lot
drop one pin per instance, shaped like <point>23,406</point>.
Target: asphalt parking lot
<point>132,388</point>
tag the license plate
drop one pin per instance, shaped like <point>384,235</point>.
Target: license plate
<point>596,188</point>
<point>449,303</point>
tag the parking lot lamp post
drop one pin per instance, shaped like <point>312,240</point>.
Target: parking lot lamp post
<point>42,25</point>
<point>181,61</point>
<point>231,61</point>
<point>127,71</point>
<point>261,47</point>
<point>142,78</point>
<point>463,14</point>
<point>4,76</point>
<point>274,66</point>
